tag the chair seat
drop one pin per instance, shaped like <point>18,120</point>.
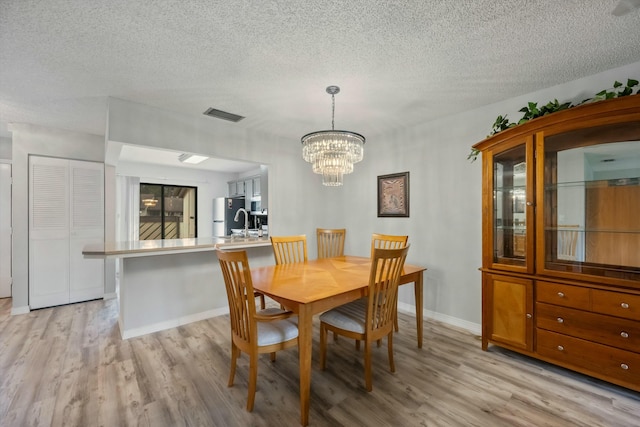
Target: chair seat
<point>350,316</point>
<point>277,331</point>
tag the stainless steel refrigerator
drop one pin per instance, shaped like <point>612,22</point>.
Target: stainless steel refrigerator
<point>224,209</point>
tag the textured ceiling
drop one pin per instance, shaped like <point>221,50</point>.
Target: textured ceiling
<point>398,63</point>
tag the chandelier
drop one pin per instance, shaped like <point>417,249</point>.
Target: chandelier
<point>332,153</point>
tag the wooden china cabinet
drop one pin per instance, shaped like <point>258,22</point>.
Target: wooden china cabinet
<point>561,239</point>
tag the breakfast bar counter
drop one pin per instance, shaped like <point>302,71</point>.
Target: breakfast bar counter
<point>163,284</point>
<point>139,248</point>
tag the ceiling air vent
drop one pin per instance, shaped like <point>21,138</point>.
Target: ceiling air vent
<point>219,114</point>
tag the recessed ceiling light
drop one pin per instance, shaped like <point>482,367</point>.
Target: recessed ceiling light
<point>193,159</point>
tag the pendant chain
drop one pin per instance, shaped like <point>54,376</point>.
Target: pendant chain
<point>333,110</point>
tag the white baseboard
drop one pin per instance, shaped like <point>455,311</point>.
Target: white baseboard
<point>168,324</point>
<point>474,328</point>
<point>20,310</point>
<point>110,295</point>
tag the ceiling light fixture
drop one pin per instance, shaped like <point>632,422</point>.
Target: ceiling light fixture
<point>149,202</point>
<point>332,153</point>
<point>193,159</point>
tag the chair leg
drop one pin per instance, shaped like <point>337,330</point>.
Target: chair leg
<point>253,379</point>
<point>392,365</point>
<point>396,322</point>
<point>273,356</point>
<point>323,345</point>
<point>263,303</point>
<point>367,365</point>
<point>358,345</point>
<point>379,343</point>
<point>234,358</point>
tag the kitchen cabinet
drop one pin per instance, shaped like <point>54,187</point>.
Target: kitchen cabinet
<point>255,183</point>
<point>253,187</point>
<point>66,212</point>
<point>236,188</point>
<point>561,239</point>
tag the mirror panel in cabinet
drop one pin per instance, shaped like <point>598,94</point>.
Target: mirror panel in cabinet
<point>592,202</point>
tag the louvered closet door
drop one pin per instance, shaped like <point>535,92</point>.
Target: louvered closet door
<point>86,276</point>
<point>48,232</point>
<point>66,212</point>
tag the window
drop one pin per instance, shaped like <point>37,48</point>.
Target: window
<point>167,212</point>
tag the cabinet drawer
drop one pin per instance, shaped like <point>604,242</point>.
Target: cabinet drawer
<point>616,304</point>
<point>564,295</point>
<point>620,366</point>
<point>603,329</point>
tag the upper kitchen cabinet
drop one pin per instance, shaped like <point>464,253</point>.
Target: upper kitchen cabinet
<point>253,188</point>
<point>236,188</point>
<point>561,239</point>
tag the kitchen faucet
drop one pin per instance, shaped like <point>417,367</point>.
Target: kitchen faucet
<point>246,220</point>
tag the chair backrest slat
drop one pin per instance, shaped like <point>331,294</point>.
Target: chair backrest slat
<point>289,249</point>
<point>330,242</point>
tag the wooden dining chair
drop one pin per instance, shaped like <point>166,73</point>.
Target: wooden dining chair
<point>253,332</point>
<point>370,318</point>
<point>387,241</point>
<point>289,249</point>
<point>567,242</point>
<point>330,242</point>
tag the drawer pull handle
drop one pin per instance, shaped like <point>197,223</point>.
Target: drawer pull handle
<point>624,366</point>
<point>528,315</point>
<point>560,320</point>
<point>561,348</point>
<point>561,294</point>
<point>624,334</point>
<point>624,305</point>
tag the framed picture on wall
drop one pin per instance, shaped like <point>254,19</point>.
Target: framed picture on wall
<point>393,195</point>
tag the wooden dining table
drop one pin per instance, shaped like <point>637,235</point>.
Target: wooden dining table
<point>312,287</point>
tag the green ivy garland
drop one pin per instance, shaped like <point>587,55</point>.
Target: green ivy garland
<point>531,111</point>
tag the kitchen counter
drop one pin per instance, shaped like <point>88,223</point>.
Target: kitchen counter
<point>163,284</point>
<point>141,248</point>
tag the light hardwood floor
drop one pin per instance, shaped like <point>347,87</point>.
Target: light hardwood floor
<point>68,366</point>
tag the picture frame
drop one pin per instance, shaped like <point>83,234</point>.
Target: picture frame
<point>393,195</point>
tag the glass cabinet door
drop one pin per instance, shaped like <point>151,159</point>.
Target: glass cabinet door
<point>510,208</point>
<point>591,212</point>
